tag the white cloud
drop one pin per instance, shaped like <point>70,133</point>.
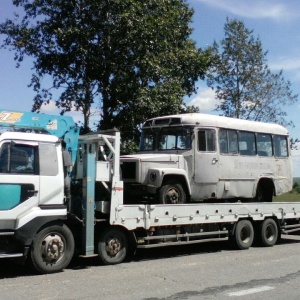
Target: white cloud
<point>296,162</point>
<point>287,64</point>
<point>205,100</point>
<point>254,9</point>
<point>52,109</point>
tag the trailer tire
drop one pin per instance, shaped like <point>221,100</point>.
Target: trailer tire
<point>112,246</point>
<point>268,233</point>
<point>244,234</point>
<point>52,249</point>
<point>172,193</point>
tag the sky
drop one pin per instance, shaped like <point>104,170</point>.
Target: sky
<point>274,22</point>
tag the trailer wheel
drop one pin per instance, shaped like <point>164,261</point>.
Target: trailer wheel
<point>244,234</point>
<point>172,193</point>
<point>52,249</point>
<point>268,233</point>
<point>112,246</point>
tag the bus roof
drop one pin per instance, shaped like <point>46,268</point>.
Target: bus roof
<point>206,120</point>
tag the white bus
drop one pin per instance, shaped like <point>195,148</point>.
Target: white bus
<point>200,157</point>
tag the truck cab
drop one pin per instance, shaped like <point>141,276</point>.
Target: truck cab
<point>31,187</point>
<point>162,169</point>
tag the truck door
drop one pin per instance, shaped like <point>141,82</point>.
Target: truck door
<point>206,162</point>
<point>19,180</point>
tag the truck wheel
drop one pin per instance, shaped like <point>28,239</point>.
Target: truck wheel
<point>112,246</point>
<point>172,193</point>
<point>52,249</point>
<point>268,233</point>
<point>244,234</point>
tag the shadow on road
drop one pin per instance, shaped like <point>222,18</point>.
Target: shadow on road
<point>12,269</point>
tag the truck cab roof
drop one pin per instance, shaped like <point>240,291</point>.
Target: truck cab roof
<point>29,137</point>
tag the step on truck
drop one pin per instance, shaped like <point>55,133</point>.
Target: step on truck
<point>60,191</point>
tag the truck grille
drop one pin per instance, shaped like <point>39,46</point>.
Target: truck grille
<point>128,170</point>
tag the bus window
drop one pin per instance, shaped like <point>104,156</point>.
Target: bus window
<point>206,140</point>
<point>264,145</point>
<point>223,141</point>
<point>247,143</point>
<point>232,142</point>
<point>228,141</point>
<point>147,142</point>
<point>174,138</point>
<point>280,146</point>
<point>167,141</point>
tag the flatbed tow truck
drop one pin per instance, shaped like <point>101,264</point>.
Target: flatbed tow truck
<point>38,221</point>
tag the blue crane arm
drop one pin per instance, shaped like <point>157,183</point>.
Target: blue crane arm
<point>61,126</point>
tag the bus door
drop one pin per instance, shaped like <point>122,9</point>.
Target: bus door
<point>207,160</point>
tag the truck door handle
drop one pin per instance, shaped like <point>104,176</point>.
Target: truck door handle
<point>34,192</point>
<point>214,161</point>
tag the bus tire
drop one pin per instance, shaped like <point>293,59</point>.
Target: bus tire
<point>52,249</point>
<point>264,192</point>
<point>112,246</point>
<point>268,233</point>
<point>244,234</point>
<point>172,193</point>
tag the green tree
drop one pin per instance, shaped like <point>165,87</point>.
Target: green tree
<point>135,57</point>
<point>242,80</point>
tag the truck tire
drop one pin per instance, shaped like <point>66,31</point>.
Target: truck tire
<point>112,246</point>
<point>172,193</point>
<point>244,234</point>
<point>268,233</point>
<point>52,249</point>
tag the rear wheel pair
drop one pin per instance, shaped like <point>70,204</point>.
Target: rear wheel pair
<point>267,233</point>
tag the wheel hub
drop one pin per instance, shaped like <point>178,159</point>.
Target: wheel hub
<point>173,196</point>
<point>245,234</point>
<point>52,248</point>
<point>113,246</point>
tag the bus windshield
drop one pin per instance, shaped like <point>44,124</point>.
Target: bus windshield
<point>166,138</point>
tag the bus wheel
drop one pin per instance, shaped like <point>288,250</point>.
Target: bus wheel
<point>264,192</point>
<point>52,249</point>
<point>268,233</point>
<point>112,246</point>
<point>244,234</point>
<point>172,193</point>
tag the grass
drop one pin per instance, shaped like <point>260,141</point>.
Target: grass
<point>293,196</point>
<point>288,197</point>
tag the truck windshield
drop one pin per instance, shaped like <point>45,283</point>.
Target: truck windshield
<point>166,138</point>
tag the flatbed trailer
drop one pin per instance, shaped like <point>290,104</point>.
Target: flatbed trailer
<point>41,223</point>
<point>225,217</point>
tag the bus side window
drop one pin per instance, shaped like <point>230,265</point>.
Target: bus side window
<point>206,140</point>
<point>247,143</point>
<point>264,145</point>
<point>280,146</point>
<point>223,142</point>
<point>233,142</point>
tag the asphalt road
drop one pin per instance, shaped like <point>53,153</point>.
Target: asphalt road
<point>207,271</point>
